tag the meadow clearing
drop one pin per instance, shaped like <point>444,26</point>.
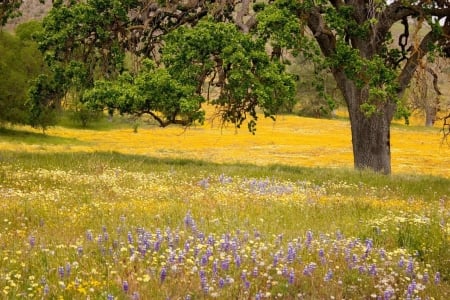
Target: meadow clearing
<point>209,212</point>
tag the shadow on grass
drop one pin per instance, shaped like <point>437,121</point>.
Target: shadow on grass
<point>426,187</point>
<point>28,137</point>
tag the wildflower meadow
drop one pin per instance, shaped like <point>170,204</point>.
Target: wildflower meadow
<point>206,212</point>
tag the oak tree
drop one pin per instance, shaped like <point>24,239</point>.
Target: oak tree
<point>370,68</point>
<point>351,39</point>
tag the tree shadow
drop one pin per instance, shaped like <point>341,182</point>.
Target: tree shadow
<point>28,137</point>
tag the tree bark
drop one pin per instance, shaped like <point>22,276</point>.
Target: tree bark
<point>370,134</point>
<point>371,141</point>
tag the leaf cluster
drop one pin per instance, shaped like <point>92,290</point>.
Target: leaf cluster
<point>235,64</point>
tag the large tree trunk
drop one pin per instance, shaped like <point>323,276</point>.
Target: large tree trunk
<point>371,141</point>
<point>370,134</point>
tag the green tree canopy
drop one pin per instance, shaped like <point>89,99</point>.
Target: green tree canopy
<point>352,40</point>
<point>20,62</point>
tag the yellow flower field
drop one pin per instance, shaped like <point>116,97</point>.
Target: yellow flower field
<point>291,140</point>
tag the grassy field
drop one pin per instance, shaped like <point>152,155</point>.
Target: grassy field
<point>209,212</point>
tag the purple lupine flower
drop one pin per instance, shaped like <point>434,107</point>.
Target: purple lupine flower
<point>188,219</point>
<point>68,269</point>
<point>203,281</point>
<point>401,262</point>
<point>255,272</point>
<point>275,259</point>
<point>100,239</point>
<point>291,277</point>
<point>410,267</point>
<point>32,241</point>
<point>291,253</point>
<point>373,270</point>
<point>387,295</point>
<point>339,235</point>
<point>221,282</point>
<point>309,238</point>
<point>362,269</point>
<point>328,276</point>
<point>204,260</point>
<point>369,244</point>
<point>410,290</point>
<point>196,251</point>
<point>237,261</point>
<point>80,250</point>
<point>284,272</point>
<point>135,296</point>
<point>253,255</point>
<point>204,183</point>
<point>163,274</point>
<point>125,286</point>
<point>309,269</point>
<point>225,179</point>
<point>243,275</point>
<point>247,284</point>
<point>89,236</point>
<point>211,240</point>
<point>323,260</point>
<point>157,246</point>
<point>382,253</point>
<point>258,296</point>
<point>61,271</point>
<point>437,278</point>
<point>46,289</point>
<point>214,266</point>
<point>130,237</point>
<point>110,297</point>
<point>425,278</point>
<point>225,264</point>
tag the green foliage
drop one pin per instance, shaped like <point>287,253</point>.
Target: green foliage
<point>9,9</point>
<point>151,91</point>
<point>196,60</point>
<point>219,55</point>
<point>20,61</point>
<point>280,25</point>
<point>43,100</point>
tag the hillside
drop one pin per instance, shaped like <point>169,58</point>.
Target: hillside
<point>31,10</point>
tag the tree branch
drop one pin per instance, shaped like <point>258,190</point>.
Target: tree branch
<point>323,35</point>
<point>410,67</point>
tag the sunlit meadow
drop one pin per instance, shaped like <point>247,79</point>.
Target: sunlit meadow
<point>209,212</point>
